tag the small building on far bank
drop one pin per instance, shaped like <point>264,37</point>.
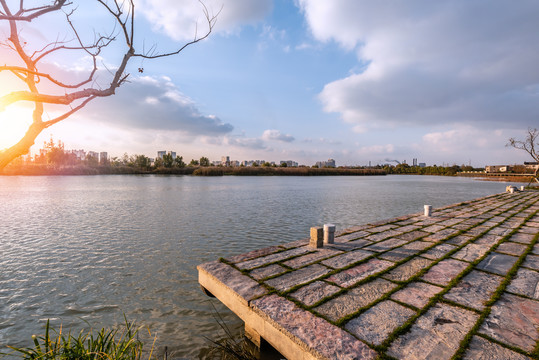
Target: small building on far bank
<point>497,168</point>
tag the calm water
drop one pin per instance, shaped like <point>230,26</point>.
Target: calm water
<point>89,249</point>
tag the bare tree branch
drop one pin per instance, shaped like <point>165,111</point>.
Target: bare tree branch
<point>123,14</point>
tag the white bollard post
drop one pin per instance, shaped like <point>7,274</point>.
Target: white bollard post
<point>511,190</point>
<point>317,237</point>
<point>329,233</point>
<point>428,210</point>
<point>522,188</point>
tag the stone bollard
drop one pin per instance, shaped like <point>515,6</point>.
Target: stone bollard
<point>522,188</point>
<point>317,237</point>
<point>428,210</point>
<point>329,233</point>
<point>511,190</point>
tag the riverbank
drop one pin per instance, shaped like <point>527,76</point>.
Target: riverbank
<point>44,169</point>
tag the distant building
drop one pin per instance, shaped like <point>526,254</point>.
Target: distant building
<point>225,160</point>
<point>414,162</point>
<point>531,165</point>
<point>103,157</point>
<point>329,163</point>
<point>422,165</point>
<point>289,163</point>
<point>160,154</point>
<point>79,154</point>
<point>497,168</point>
<point>93,154</point>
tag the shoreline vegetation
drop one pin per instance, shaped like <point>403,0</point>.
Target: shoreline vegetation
<point>197,170</point>
<point>47,169</point>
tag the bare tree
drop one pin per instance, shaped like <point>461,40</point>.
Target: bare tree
<point>73,96</point>
<point>530,145</point>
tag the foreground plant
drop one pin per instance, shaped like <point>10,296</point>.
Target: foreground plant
<point>106,344</point>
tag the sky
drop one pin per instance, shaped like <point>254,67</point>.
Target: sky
<point>445,82</point>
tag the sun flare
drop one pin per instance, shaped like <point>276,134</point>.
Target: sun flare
<point>14,121</point>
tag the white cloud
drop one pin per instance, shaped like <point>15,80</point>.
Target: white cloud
<point>179,18</point>
<point>432,62</point>
<point>155,104</point>
<point>276,135</point>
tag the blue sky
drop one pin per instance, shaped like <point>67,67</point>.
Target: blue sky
<point>446,82</point>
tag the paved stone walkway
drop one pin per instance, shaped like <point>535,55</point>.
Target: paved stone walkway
<point>463,283</point>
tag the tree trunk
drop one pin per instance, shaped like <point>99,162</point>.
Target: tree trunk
<point>22,147</point>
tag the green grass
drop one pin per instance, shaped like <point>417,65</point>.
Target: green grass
<point>110,344</point>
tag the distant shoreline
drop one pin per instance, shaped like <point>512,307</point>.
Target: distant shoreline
<point>49,170</point>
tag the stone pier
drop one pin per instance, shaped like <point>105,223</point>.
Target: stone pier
<point>460,283</point>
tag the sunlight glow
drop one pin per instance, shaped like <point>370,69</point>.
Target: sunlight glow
<point>14,121</point>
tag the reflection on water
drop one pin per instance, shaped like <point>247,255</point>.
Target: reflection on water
<point>89,249</point>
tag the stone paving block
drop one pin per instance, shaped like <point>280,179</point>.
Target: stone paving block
<point>381,228</point>
<point>497,263</point>
<point>522,238</point>
<point>405,251</point>
<point>298,277</point>
<point>482,349</point>
<point>383,235</point>
<point>441,235</point>
<point>532,223</point>
<point>475,289</point>
<point>267,271</point>
<point>314,292</point>
<point>416,294</point>
<point>407,228</point>
<point>462,226</point>
<point>352,236</point>
<point>242,285</point>
<point>350,277</point>
<point>413,235</point>
<point>254,254</point>
<point>434,228</point>
<point>445,271</point>
<point>471,252</point>
<point>295,244</point>
<point>311,330</point>
<point>488,240</point>
<point>377,323</point>
<point>435,335</point>
<point>408,269</point>
<point>251,264</point>
<point>532,262</point>
<point>341,261</point>
<point>450,222</point>
<point>459,240</point>
<point>385,245</point>
<point>500,231</point>
<point>355,299</point>
<point>348,246</point>
<point>438,251</point>
<point>528,230</point>
<point>477,230</point>
<point>514,321</point>
<point>526,282</point>
<point>535,249</point>
<point>511,248</point>
<point>311,258</point>
<point>511,224</point>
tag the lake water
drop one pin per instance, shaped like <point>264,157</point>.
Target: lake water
<point>90,249</point>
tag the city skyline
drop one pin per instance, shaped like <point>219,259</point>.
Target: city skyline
<point>306,80</point>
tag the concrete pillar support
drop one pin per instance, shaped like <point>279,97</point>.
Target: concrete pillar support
<point>317,237</point>
<point>329,233</point>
